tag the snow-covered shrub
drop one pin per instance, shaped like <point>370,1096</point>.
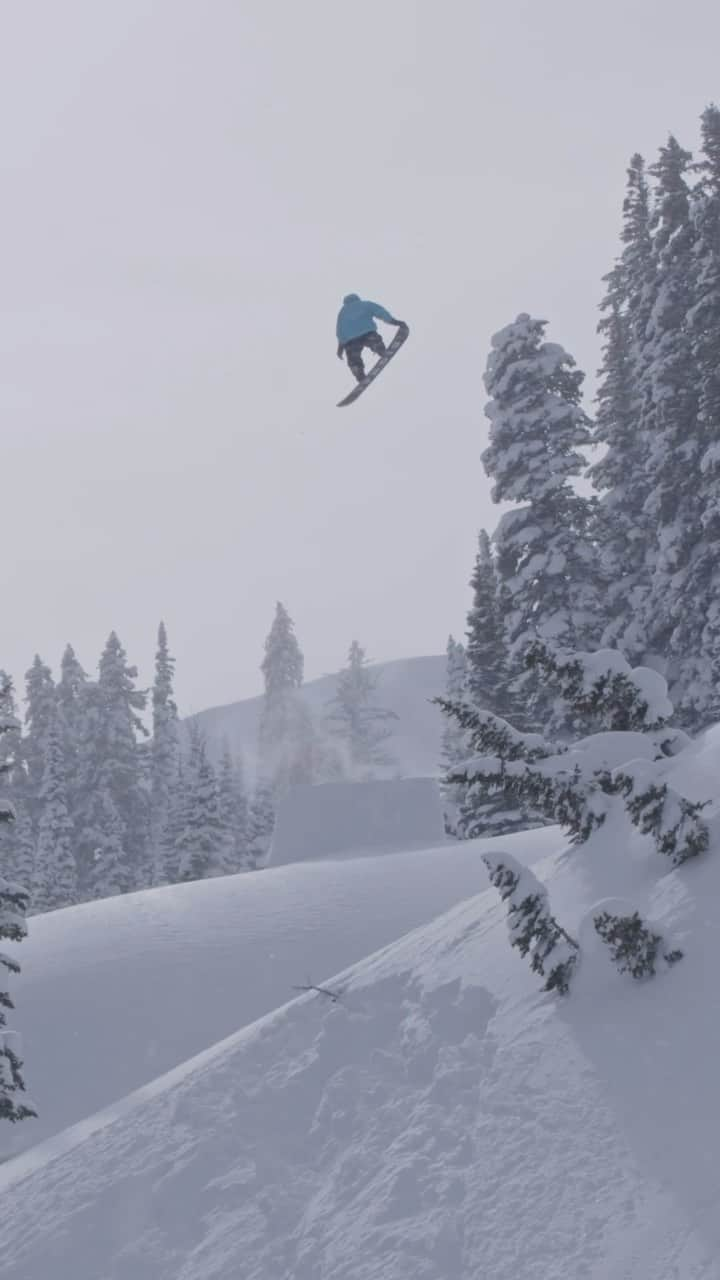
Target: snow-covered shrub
<point>633,945</point>
<point>532,927</point>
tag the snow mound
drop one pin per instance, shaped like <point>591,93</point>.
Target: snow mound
<point>347,817</point>
<point>114,993</point>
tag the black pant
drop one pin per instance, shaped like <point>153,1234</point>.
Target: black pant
<point>354,349</point>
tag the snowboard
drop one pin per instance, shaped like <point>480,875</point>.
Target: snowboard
<point>378,367</point>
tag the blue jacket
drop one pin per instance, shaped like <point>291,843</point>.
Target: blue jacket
<point>358,317</point>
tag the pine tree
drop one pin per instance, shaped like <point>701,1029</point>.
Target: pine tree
<point>532,927</point>
<point>486,650</point>
<point>40,710</point>
<point>20,864</point>
<point>697,631</point>
<point>72,704</point>
<point>261,823</point>
<point>173,832</point>
<point>165,740</point>
<point>362,727</point>
<point>669,416</point>
<point>55,868</point>
<point>109,873</point>
<point>112,765</point>
<point>234,811</point>
<point>624,530</point>
<point>454,747</point>
<point>285,724</point>
<point>546,558</point>
<point>204,845</point>
<point>13,906</point>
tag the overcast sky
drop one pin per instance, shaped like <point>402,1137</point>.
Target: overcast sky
<point>188,189</point>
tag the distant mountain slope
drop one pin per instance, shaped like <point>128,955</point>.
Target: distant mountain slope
<point>405,686</point>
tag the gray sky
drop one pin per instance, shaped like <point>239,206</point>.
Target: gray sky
<point>188,188</point>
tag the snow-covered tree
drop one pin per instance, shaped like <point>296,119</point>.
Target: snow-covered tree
<point>19,865</point>
<point>362,727</point>
<point>55,867</point>
<point>39,712</point>
<point>165,737</point>
<point>109,873</point>
<point>571,784</point>
<point>486,647</point>
<point>13,907</point>
<point>113,766</point>
<point>532,927</point>
<point>546,558</point>
<point>454,747</point>
<point>623,528</point>
<point>203,846</point>
<point>634,946</point>
<point>261,822</point>
<point>669,418</point>
<point>697,631</point>
<point>172,835</point>
<point>234,811</point>
<point>284,725</point>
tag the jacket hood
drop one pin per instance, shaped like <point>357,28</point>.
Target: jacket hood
<point>351,297</point>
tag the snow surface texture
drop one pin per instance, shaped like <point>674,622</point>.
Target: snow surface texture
<point>355,817</point>
<point>406,687</point>
<point>113,993</point>
<point>441,1120</point>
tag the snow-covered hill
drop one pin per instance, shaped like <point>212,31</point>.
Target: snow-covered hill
<point>443,1119</point>
<point>405,686</point>
<point>113,993</point>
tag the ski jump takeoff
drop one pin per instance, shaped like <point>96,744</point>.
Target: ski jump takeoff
<point>356,329</point>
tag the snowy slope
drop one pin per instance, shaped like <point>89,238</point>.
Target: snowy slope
<point>406,687</point>
<point>443,1120</point>
<point>113,993</point>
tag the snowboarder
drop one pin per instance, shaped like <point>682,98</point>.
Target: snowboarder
<point>356,329</point>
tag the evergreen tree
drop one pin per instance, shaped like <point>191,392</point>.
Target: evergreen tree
<point>532,927</point>
<point>172,835</point>
<point>697,631</point>
<point>285,723</point>
<point>55,868</point>
<point>234,811</point>
<point>362,727</point>
<point>670,408</point>
<point>624,530</point>
<point>486,649</point>
<point>40,710</point>
<point>20,864</point>
<point>546,558</point>
<point>204,845</point>
<point>13,906</point>
<point>165,743</point>
<point>454,747</point>
<point>261,822</point>
<point>112,779</point>
<point>109,873</point>
<point>72,704</point>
